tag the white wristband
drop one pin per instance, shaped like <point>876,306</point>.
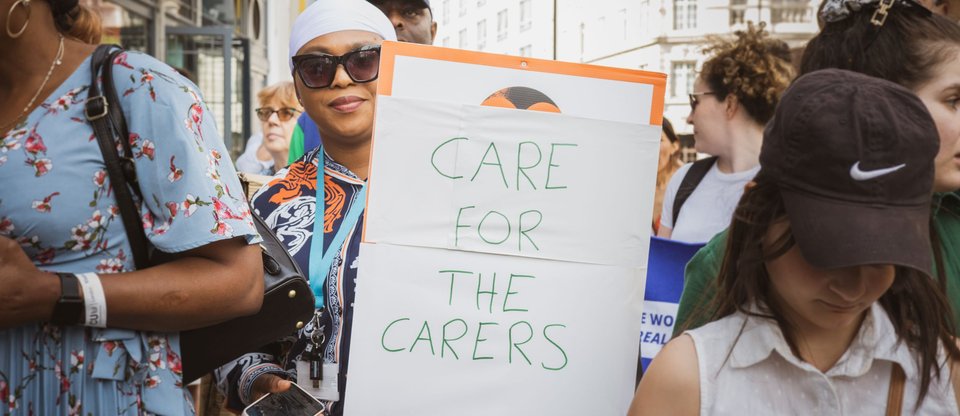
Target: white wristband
<point>94,301</point>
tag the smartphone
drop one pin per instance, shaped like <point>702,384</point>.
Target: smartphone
<point>294,402</point>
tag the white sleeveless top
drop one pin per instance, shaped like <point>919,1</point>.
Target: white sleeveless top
<point>757,374</point>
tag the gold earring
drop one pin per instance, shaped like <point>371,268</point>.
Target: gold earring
<point>26,6</point>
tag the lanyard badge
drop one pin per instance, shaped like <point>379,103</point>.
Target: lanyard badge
<point>322,260</point>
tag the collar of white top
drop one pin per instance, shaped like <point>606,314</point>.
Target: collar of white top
<point>876,340</point>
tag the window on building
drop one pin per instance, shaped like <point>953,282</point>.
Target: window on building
<point>525,50</point>
<point>123,27</point>
<point>526,14</point>
<point>215,12</point>
<point>583,38</point>
<point>682,76</point>
<point>463,38</point>
<point>502,24</point>
<point>481,34</point>
<point>623,18</point>
<point>738,11</point>
<point>684,14</point>
<point>790,11</point>
<point>481,3</point>
<point>463,8</point>
<point>644,13</point>
<point>446,42</point>
<point>446,11</point>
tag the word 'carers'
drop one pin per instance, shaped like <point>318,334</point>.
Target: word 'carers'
<point>511,339</point>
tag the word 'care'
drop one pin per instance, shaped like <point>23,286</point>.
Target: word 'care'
<point>535,163</point>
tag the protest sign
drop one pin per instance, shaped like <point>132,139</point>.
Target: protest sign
<point>668,258</point>
<point>505,248</point>
<point>510,182</point>
<point>458,333</point>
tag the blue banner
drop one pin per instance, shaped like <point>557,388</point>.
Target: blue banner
<point>668,258</point>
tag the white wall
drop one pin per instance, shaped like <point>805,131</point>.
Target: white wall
<point>279,20</point>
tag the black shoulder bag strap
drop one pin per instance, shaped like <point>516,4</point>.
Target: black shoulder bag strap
<point>689,184</point>
<point>105,115</point>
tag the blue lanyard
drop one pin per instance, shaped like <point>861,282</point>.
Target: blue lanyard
<point>320,260</point>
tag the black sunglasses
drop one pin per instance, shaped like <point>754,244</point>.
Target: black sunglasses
<point>284,114</point>
<point>318,70</point>
<point>695,99</point>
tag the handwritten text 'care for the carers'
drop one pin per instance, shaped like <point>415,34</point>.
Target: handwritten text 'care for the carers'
<point>535,163</point>
<point>511,334</point>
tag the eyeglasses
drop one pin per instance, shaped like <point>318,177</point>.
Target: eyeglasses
<point>284,114</point>
<point>318,70</point>
<point>695,99</point>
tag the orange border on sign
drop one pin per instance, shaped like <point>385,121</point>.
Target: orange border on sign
<point>390,51</point>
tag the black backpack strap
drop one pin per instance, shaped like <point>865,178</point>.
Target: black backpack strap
<point>690,181</point>
<point>105,115</point>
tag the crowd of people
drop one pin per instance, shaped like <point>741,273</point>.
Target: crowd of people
<point>829,205</point>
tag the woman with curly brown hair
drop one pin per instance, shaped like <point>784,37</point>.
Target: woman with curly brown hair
<point>734,96</point>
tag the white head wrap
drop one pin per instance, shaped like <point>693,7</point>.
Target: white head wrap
<point>328,16</point>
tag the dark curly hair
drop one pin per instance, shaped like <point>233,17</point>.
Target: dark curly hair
<point>907,49</point>
<point>753,67</point>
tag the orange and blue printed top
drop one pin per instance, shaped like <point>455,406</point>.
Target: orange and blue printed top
<point>57,203</point>
<point>288,205</point>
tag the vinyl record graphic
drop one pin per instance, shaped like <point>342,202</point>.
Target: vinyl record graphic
<point>521,98</point>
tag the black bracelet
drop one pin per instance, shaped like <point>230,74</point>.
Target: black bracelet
<point>69,309</point>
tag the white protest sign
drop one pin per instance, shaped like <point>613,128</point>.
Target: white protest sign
<point>504,255</point>
<point>444,332</point>
<point>511,182</point>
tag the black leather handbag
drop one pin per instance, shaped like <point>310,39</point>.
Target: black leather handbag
<point>287,298</point>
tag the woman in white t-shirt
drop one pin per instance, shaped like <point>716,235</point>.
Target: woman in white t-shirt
<point>825,301</point>
<point>734,96</point>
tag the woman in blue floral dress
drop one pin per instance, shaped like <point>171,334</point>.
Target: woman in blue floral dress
<point>58,214</point>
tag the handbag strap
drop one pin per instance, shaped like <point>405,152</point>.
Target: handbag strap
<point>895,394</point>
<point>105,115</point>
<point>689,184</point>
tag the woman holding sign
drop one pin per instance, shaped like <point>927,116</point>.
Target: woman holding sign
<point>828,253</point>
<point>334,56</point>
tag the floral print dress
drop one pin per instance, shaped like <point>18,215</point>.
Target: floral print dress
<point>56,201</point>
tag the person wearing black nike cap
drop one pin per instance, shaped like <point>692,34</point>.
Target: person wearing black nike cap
<point>825,299</point>
<point>914,48</point>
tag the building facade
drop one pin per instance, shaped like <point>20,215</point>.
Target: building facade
<point>668,36</point>
<point>513,27</point>
<point>225,46</point>
<point>655,35</point>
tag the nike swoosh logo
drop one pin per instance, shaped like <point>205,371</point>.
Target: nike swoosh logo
<point>863,175</point>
